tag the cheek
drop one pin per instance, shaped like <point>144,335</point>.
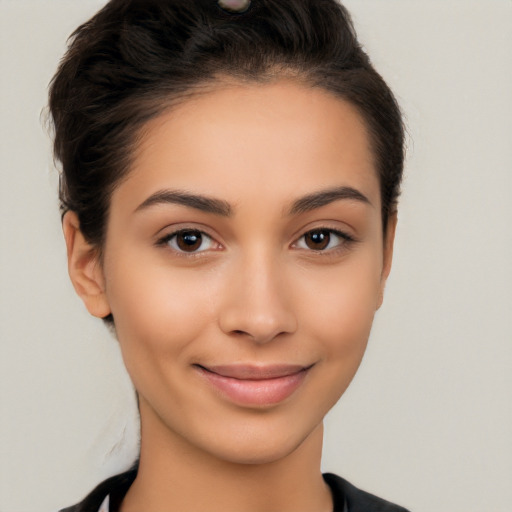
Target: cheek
<point>339,312</point>
<point>158,310</point>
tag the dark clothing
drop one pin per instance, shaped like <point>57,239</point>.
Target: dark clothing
<point>346,497</point>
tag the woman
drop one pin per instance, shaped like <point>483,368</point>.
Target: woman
<point>230,172</point>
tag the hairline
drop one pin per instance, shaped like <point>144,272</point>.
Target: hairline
<point>157,105</point>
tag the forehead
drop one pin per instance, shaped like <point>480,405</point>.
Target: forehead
<point>275,139</point>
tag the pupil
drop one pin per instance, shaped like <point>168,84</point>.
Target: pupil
<point>189,240</point>
<point>318,240</point>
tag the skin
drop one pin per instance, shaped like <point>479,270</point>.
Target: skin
<point>256,291</point>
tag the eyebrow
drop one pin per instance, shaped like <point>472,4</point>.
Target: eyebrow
<point>199,202</point>
<point>325,197</point>
<point>223,208</point>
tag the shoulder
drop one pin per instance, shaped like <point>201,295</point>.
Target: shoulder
<point>347,498</point>
<point>356,500</point>
<point>116,487</point>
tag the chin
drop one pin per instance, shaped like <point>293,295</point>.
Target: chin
<point>259,446</point>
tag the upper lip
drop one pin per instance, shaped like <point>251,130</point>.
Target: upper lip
<point>255,372</point>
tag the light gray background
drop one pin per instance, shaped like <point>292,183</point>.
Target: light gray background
<point>428,420</point>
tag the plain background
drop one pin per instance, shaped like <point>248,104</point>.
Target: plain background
<point>427,421</point>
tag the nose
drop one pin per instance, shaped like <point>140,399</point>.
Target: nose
<point>257,302</point>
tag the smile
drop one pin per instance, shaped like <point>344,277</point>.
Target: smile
<point>254,385</point>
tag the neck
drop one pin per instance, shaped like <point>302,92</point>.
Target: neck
<point>176,476</point>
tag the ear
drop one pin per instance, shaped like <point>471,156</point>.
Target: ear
<point>85,268</point>
<point>389,241</point>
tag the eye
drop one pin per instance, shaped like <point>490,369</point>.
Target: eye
<point>323,239</point>
<point>188,241</point>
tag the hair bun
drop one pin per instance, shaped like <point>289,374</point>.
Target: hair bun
<point>234,5</point>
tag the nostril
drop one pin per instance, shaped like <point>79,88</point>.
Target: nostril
<point>256,309</point>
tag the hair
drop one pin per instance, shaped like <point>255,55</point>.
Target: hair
<point>136,58</point>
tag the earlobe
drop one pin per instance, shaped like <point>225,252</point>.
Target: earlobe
<point>387,255</point>
<point>84,268</point>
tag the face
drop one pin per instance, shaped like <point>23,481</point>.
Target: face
<point>243,264</point>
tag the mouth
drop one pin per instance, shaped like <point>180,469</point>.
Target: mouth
<point>251,385</point>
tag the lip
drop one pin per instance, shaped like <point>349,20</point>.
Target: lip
<point>252,385</point>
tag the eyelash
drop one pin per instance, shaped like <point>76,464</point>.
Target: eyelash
<point>345,240</point>
<point>166,241</point>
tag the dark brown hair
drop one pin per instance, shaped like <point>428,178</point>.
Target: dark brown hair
<point>134,58</point>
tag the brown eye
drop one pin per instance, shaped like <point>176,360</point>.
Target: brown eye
<point>324,240</point>
<point>189,241</point>
<point>317,240</point>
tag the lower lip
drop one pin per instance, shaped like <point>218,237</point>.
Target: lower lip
<point>255,392</point>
